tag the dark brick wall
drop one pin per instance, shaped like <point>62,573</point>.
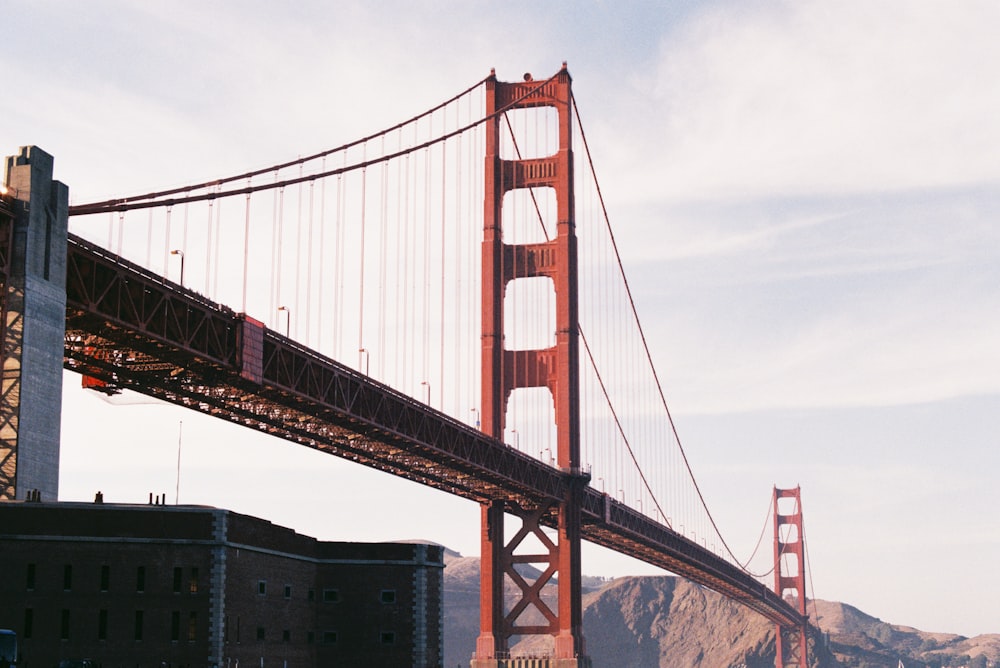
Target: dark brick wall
<point>245,591</point>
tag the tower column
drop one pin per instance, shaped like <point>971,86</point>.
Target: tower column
<point>556,368</point>
<point>791,650</point>
<point>33,246</point>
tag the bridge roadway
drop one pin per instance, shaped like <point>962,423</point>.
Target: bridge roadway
<point>129,328</point>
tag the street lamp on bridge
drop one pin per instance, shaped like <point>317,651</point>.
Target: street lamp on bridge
<point>288,319</point>
<point>178,251</point>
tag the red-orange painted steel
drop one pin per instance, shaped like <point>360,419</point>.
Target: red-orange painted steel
<point>556,368</point>
<point>791,647</point>
<point>133,329</point>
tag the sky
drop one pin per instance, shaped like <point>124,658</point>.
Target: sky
<point>806,198</point>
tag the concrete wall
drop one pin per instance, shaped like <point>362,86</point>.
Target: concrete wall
<point>36,324</point>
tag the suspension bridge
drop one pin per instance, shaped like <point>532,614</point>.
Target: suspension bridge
<point>442,300</point>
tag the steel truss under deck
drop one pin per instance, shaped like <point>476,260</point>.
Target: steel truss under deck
<point>129,328</point>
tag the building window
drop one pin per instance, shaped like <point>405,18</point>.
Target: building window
<point>329,637</point>
<point>175,626</point>
<point>102,624</point>
<point>105,577</point>
<point>288,591</point>
<point>64,625</point>
<point>260,633</point>
<point>311,595</point>
<point>388,596</point>
<point>31,577</point>
<point>310,637</point>
<point>193,584</point>
<point>140,579</point>
<point>67,577</point>
<point>138,625</point>
<point>178,576</point>
<point>29,622</point>
<point>331,595</point>
<point>192,626</point>
<point>286,636</point>
<point>262,587</point>
<point>387,637</point>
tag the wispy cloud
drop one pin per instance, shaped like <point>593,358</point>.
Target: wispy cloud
<point>817,98</point>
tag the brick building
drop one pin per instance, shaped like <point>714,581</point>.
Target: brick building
<point>192,586</point>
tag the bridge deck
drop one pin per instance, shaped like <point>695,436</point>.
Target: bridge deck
<point>130,328</point>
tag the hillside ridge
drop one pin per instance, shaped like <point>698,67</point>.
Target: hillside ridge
<point>666,621</point>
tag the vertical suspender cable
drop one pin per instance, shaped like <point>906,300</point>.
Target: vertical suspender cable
<point>408,305</point>
<point>383,288</point>
<point>208,247</point>
<point>280,249</point>
<point>400,237</point>
<point>426,314</point>
<point>149,239</point>
<point>338,287</point>
<point>218,244</point>
<point>361,289</point>
<point>309,263</point>
<point>246,248</point>
<point>184,233</point>
<point>166,241</point>
<point>443,264</point>
<point>322,257</point>
<point>272,310</point>
<point>459,316</point>
<point>297,259</point>
<point>121,231</point>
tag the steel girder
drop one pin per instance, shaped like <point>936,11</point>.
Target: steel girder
<point>132,329</point>
<point>615,525</point>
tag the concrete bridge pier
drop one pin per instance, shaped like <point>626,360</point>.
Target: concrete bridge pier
<point>33,227</point>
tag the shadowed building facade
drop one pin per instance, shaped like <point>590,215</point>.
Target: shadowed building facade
<point>152,585</point>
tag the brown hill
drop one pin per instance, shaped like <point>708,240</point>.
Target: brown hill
<point>628,623</point>
<point>665,621</point>
<point>860,640</point>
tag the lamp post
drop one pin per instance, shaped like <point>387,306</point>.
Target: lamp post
<point>178,251</point>
<point>424,383</point>
<point>363,359</point>
<point>475,412</point>
<point>288,319</point>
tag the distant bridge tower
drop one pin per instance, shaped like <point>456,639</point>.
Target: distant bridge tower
<point>33,220</point>
<point>790,577</point>
<point>556,368</point>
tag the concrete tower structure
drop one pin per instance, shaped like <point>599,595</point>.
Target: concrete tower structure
<point>33,324</point>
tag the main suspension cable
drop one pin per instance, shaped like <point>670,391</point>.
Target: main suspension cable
<point>149,201</point>
<point>297,161</point>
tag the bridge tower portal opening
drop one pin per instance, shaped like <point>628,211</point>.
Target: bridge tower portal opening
<point>555,367</point>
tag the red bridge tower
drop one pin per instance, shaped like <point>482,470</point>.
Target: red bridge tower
<point>556,368</point>
<point>790,577</point>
